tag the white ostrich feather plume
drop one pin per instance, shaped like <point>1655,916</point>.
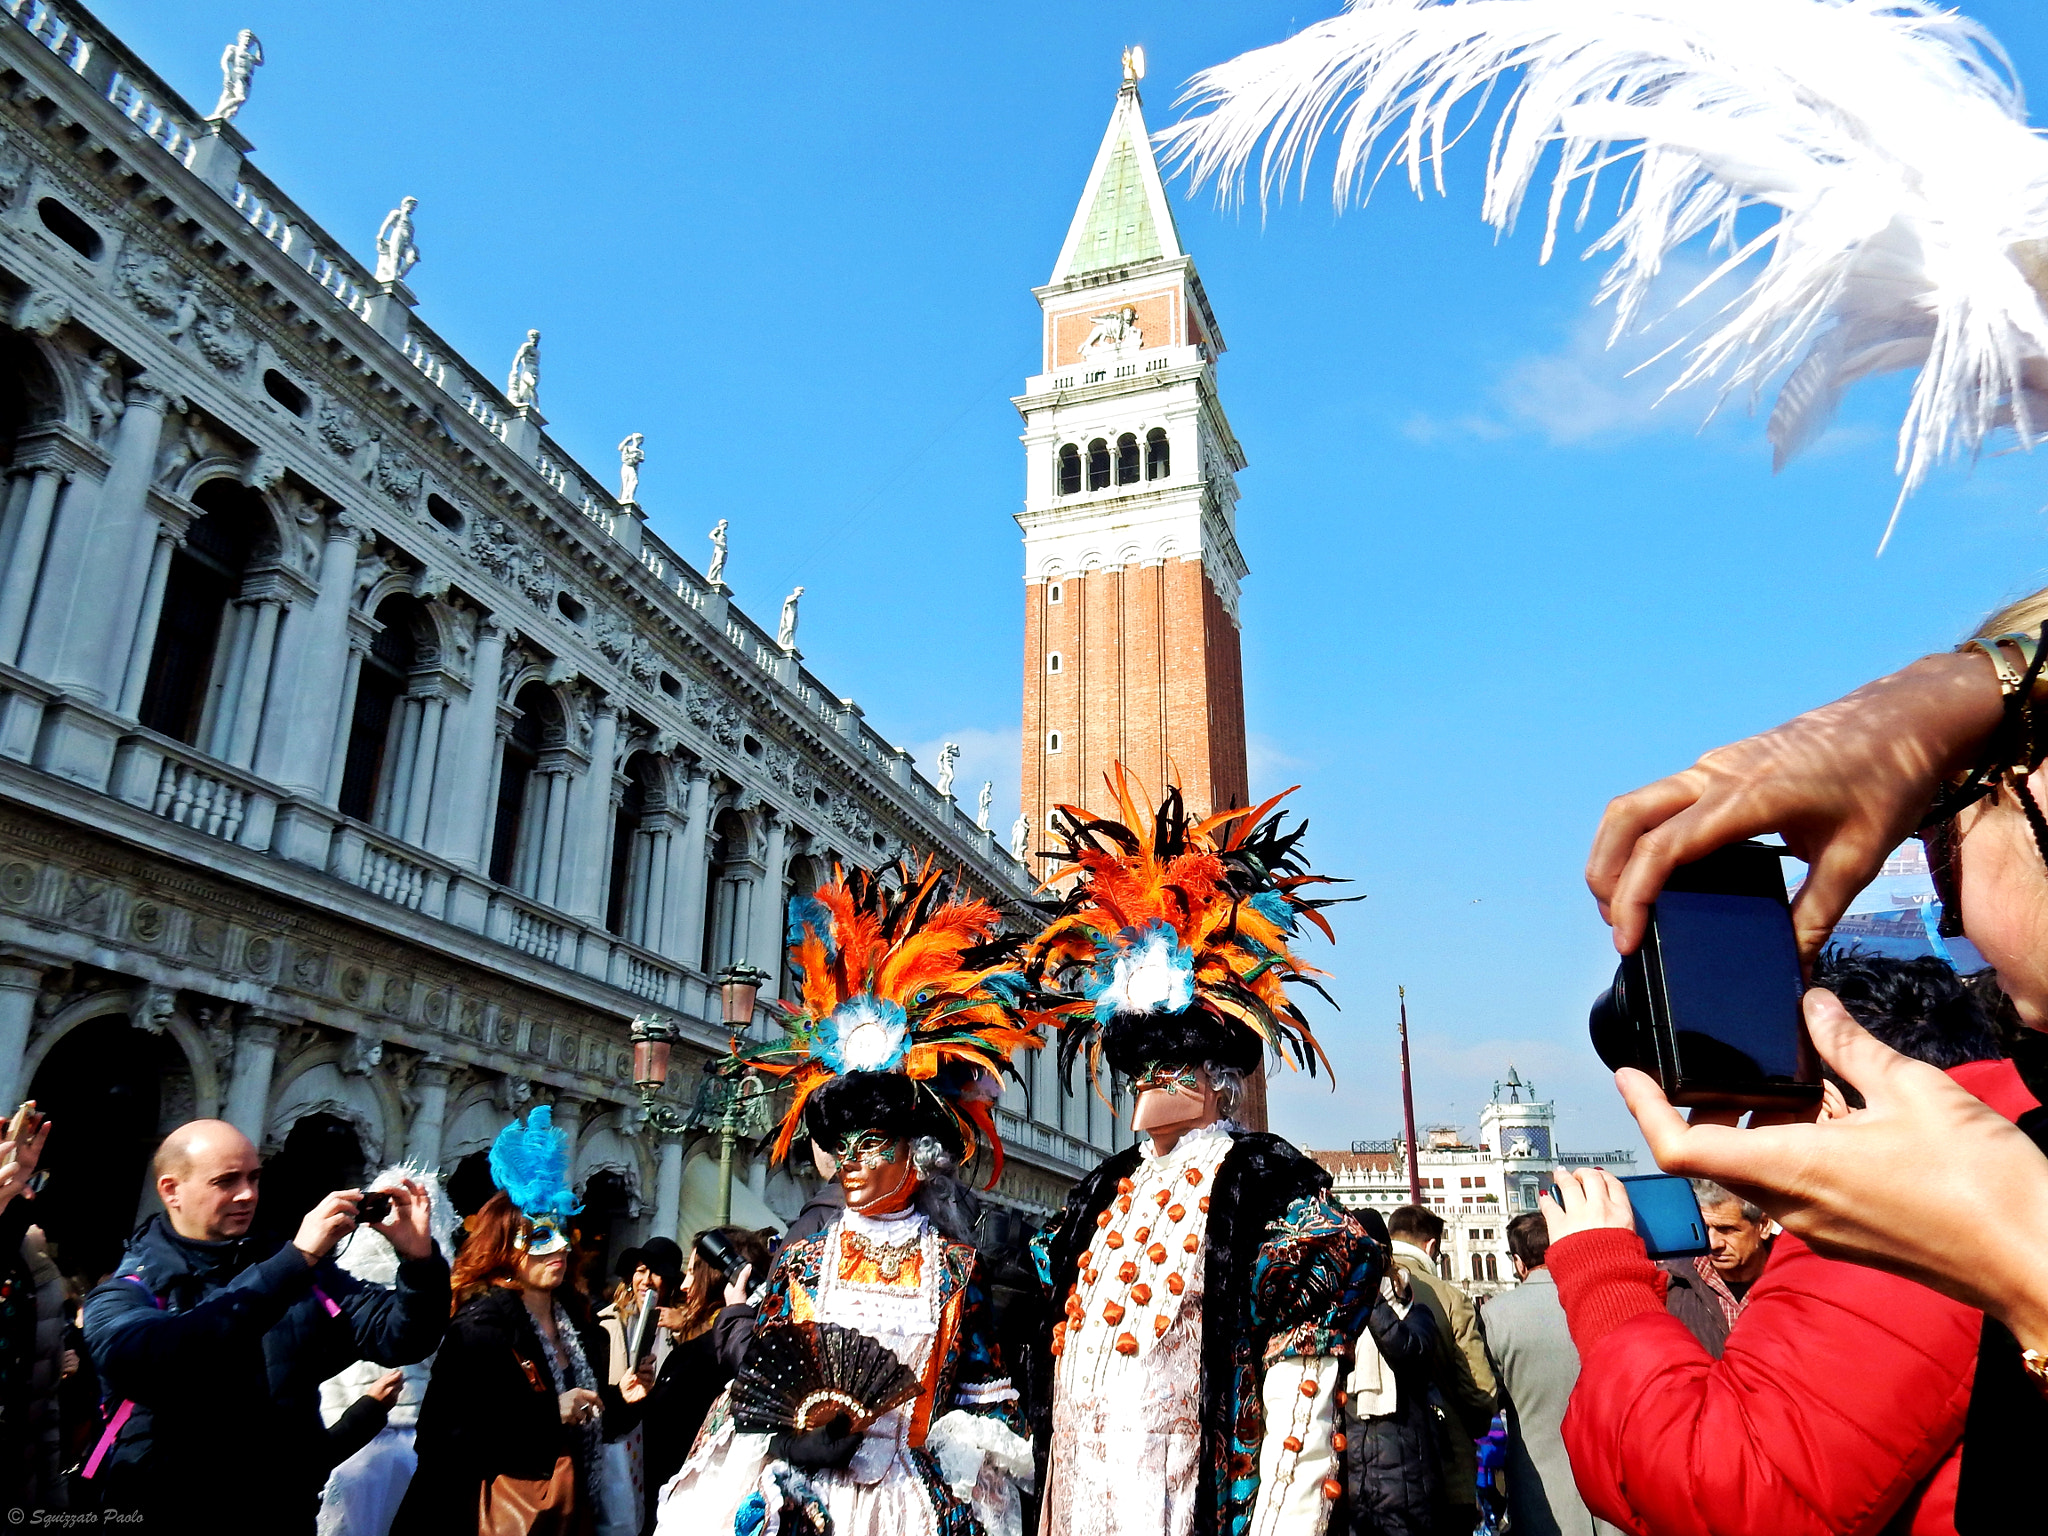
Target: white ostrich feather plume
<point>1889,135</point>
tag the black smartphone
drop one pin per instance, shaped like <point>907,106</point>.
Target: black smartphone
<point>1668,1218</point>
<point>1709,1003</point>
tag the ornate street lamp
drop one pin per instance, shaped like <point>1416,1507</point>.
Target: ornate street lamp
<point>739,984</point>
<point>654,1038</point>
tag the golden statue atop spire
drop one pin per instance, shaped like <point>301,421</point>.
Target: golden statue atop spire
<point>1134,64</point>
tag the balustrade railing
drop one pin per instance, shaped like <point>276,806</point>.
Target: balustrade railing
<point>48,27</point>
<point>135,104</point>
<point>171,781</point>
<point>535,935</point>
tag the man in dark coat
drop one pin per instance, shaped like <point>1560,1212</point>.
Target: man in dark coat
<point>212,1346</point>
<point>1393,1453</point>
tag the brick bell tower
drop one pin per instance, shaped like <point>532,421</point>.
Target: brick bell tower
<point>1131,564</point>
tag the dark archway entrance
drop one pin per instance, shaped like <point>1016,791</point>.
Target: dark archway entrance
<point>603,1231</point>
<point>321,1153</point>
<point>101,1086</point>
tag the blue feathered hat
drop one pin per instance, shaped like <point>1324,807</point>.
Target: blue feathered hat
<point>530,1162</point>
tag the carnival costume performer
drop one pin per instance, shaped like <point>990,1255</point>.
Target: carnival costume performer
<point>906,1012</point>
<point>1202,1289</point>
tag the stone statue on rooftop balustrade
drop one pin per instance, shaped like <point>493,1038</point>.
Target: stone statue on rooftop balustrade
<point>988,798</point>
<point>522,386</point>
<point>396,252</point>
<point>715,572</point>
<point>786,638</point>
<point>949,756</point>
<point>632,454</point>
<point>237,68</point>
<point>1020,836</point>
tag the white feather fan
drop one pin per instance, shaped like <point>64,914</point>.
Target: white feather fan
<point>1891,139</point>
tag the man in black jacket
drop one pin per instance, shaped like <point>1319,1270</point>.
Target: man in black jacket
<point>212,1346</point>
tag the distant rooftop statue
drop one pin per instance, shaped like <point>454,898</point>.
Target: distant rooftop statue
<point>522,387</point>
<point>396,252</point>
<point>1020,836</point>
<point>632,454</point>
<point>238,63</point>
<point>988,800</point>
<point>949,757</point>
<point>1134,64</point>
<point>786,638</point>
<point>715,572</point>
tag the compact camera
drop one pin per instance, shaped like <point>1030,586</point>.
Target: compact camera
<point>1708,1004</point>
<point>374,1207</point>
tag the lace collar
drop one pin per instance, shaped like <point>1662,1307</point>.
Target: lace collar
<point>896,1227</point>
<point>1190,1142</point>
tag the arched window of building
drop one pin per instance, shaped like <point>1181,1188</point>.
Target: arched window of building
<point>1127,459</point>
<point>1492,1268</point>
<point>373,726</point>
<point>639,854</point>
<point>1098,465</point>
<point>730,900</point>
<point>1053,662</point>
<point>188,665</point>
<point>1070,469</point>
<point>1055,592</point>
<point>516,775</point>
<point>1158,455</point>
<point>1052,741</point>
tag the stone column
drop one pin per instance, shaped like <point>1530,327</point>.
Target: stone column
<point>771,919</point>
<point>569,1121</point>
<point>299,737</point>
<point>143,646</point>
<point>20,981</point>
<point>430,1111</point>
<point>85,611</point>
<point>587,855</point>
<point>472,778</point>
<point>684,941</point>
<point>421,794</point>
<point>217,729</point>
<point>25,560</point>
<point>248,1102</point>
<point>337,758</point>
<point>668,1189</point>
<point>254,691</point>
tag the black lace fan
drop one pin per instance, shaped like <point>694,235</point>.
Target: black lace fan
<point>799,1375</point>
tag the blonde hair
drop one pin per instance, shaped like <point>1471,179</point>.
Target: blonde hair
<point>2023,615</point>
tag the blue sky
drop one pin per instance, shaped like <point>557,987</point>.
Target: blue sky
<point>1491,586</point>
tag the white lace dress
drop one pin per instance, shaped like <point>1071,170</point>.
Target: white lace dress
<point>883,1277</point>
<point>1127,1396</point>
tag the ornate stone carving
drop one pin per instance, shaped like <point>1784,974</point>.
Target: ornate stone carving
<point>362,1055</point>
<point>712,712</point>
<point>42,312</point>
<point>339,428</point>
<point>632,454</point>
<point>983,805</point>
<point>1020,836</point>
<point>502,553</point>
<point>223,340</point>
<point>14,173</point>
<point>106,392</point>
<point>642,665</point>
<point>399,477</point>
<point>949,757</point>
<point>156,287</point>
<point>785,636</point>
<point>512,1094</point>
<point>85,901</point>
<point>613,634</point>
<point>152,1008</point>
<point>183,446</point>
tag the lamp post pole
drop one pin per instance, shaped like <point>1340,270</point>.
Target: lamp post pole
<point>728,1134</point>
<point>738,986</point>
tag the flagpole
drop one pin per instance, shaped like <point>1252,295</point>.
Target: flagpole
<point>1408,1110</point>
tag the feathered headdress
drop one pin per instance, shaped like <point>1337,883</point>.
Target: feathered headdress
<point>1173,943</point>
<point>1889,135</point>
<point>906,1010</point>
<point>530,1161</point>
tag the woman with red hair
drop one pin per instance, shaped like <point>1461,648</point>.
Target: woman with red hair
<point>512,1428</point>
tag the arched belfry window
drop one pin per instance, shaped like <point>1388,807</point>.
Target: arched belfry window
<point>1158,455</point>
<point>365,775</point>
<point>1098,465</point>
<point>189,663</point>
<point>1070,469</point>
<point>512,831</point>
<point>1127,459</point>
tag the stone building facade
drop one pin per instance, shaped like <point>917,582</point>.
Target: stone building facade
<point>366,764</point>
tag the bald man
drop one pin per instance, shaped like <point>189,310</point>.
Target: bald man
<point>212,1346</point>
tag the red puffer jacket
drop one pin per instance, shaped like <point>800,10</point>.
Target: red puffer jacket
<point>1838,1404</point>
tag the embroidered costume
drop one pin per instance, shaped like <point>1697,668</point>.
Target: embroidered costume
<point>906,1014</point>
<point>1201,1299</point>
